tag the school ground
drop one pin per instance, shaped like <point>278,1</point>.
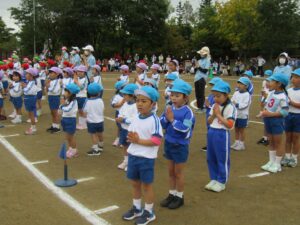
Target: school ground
<point>104,194</point>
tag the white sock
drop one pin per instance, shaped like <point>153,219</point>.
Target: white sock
<point>295,156</point>
<point>272,155</point>
<point>137,203</point>
<point>56,125</point>
<point>100,143</point>
<point>179,194</point>
<point>19,117</point>
<point>95,147</point>
<point>33,127</point>
<point>288,155</point>
<point>53,125</point>
<point>172,192</point>
<point>80,120</point>
<point>241,143</point>
<point>265,138</point>
<point>126,158</point>
<point>278,160</point>
<point>149,207</point>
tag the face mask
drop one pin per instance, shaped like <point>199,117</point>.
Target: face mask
<point>282,61</point>
<point>202,56</point>
<point>86,52</point>
<point>72,52</point>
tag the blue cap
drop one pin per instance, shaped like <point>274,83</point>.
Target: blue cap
<point>268,72</point>
<point>215,80</point>
<point>279,77</point>
<point>172,76</point>
<point>149,92</point>
<point>129,89</point>
<point>296,72</point>
<point>248,73</point>
<point>73,88</point>
<point>245,81</point>
<point>181,86</point>
<point>94,88</point>
<point>120,84</point>
<point>151,81</point>
<point>222,86</point>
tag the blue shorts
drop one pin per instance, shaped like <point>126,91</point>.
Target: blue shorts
<point>39,95</point>
<point>17,102</point>
<point>30,103</point>
<point>5,84</point>
<point>80,102</point>
<point>54,102</point>
<point>176,152</point>
<point>274,125</point>
<point>141,169</point>
<point>123,137</point>
<point>43,83</point>
<point>241,123</point>
<point>292,122</point>
<point>1,102</point>
<point>68,124</point>
<point>95,127</point>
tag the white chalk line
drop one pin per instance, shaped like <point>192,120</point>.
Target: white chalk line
<point>39,162</point>
<point>10,135</point>
<point>105,210</point>
<point>84,179</point>
<point>254,175</point>
<point>86,213</point>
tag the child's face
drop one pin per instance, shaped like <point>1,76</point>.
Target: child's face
<point>94,71</point>
<point>80,74</point>
<point>172,66</point>
<point>52,75</point>
<point>241,86</point>
<point>125,72</point>
<point>139,70</point>
<point>16,78</point>
<point>296,81</point>
<point>67,94</point>
<point>144,105</point>
<point>220,97</point>
<point>275,85</point>
<point>178,99</point>
<point>29,76</point>
<point>127,97</point>
<point>168,82</point>
<point>66,75</point>
<point>154,71</point>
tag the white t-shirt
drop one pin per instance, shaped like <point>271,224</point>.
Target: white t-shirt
<point>146,129</point>
<point>83,87</point>
<point>115,100</point>
<point>31,88</point>
<point>16,90</point>
<point>141,77</point>
<point>124,78</point>
<point>65,82</point>
<point>243,102</point>
<point>98,79</point>
<point>69,110</point>
<point>94,108</point>
<point>54,88</point>
<point>127,112</point>
<point>229,113</point>
<point>38,83</point>
<point>294,95</point>
<point>276,101</point>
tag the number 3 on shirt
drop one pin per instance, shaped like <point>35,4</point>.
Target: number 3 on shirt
<point>271,103</point>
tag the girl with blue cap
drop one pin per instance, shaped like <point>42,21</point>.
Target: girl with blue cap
<point>222,118</point>
<point>276,109</point>
<point>178,121</point>
<point>145,136</point>
<point>117,102</point>
<point>69,109</point>
<point>250,75</point>
<point>242,101</point>
<point>292,123</point>
<point>126,114</point>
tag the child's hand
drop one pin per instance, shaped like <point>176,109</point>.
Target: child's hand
<point>216,109</point>
<point>169,114</point>
<point>10,85</point>
<point>119,119</point>
<point>207,103</point>
<point>133,137</point>
<point>62,101</point>
<point>265,113</point>
<point>23,84</point>
<point>259,115</point>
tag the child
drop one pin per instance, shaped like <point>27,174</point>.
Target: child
<point>81,79</point>
<point>242,101</point>
<point>30,92</point>
<point>117,102</point>
<point>141,74</point>
<point>276,109</point>
<point>127,112</point>
<point>249,74</point>
<point>1,92</point>
<point>150,82</point>
<point>125,74</point>
<point>154,73</point>
<point>173,68</point>
<point>16,96</point>
<point>43,76</point>
<point>67,78</point>
<point>96,78</point>
<point>221,120</point>
<point>69,110</point>
<point>145,134</point>
<point>170,78</point>
<point>264,94</point>
<point>178,120</point>
<point>209,101</point>
<point>39,94</point>
<point>292,123</point>
<point>94,109</point>
<point>54,89</point>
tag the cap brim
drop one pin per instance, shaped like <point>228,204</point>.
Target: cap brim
<point>141,92</point>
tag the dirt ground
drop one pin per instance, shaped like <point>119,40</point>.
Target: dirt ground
<point>266,200</point>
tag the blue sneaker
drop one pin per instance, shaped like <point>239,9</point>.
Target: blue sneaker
<point>132,213</point>
<point>145,218</point>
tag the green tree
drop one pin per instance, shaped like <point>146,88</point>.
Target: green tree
<point>8,41</point>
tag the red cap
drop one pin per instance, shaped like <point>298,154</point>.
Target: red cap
<point>51,62</point>
<point>25,66</point>
<point>10,65</point>
<point>42,64</point>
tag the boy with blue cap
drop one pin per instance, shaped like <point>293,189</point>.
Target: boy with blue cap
<point>94,110</point>
<point>292,123</point>
<point>127,112</point>
<point>276,109</point>
<point>169,79</point>
<point>178,120</point>
<point>242,101</point>
<point>222,118</point>
<point>145,135</point>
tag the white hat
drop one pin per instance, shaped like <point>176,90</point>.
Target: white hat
<point>284,54</point>
<point>76,48</point>
<point>89,48</point>
<point>204,51</point>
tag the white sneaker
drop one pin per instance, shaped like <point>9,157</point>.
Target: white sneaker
<point>218,187</point>
<point>116,142</point>
<point>235,144</point>
<point>123,165</point>
<point>39,112</point>
<point>239,147</point>
<point>210,184</point>
<point>29,120</point>
<point>275,168</point>
<point>16,120</point>
<point>267,166</point>
<point>13,114</point>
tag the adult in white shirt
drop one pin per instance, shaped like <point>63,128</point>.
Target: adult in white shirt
<point>260,62</point>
